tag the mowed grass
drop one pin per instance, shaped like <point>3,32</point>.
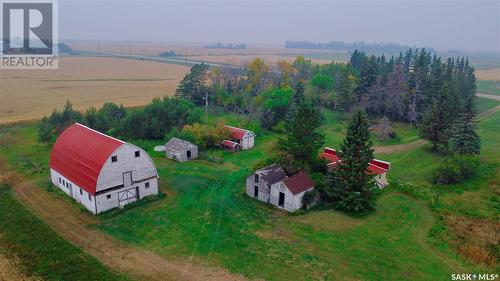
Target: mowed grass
<point>40,250</point>
<point>207,217</point>
<point>488,87</point>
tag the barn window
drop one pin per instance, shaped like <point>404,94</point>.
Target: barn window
<point>81,191</point>
<point>256,178</point>
<point>114,159</point>
<point>146,185</point>
<point>137,153</point>
<point>90,198</point>
<point>108,196</point>
<point>59,180</point>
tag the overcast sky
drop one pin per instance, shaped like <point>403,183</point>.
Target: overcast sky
<point>461,25</point>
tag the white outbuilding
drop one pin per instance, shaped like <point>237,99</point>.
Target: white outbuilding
<point>245,138</point>
<point>181,150</point>
<point>99,171</point>
<point>271,184</point>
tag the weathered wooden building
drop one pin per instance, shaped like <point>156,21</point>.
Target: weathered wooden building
<point>288,194</point>
<point>180,150</point>
<point>258,185</point>
<point>231,145</point>
<point>271,184</point>
<point>99,171</point>
<point>377,168</point>
<point>245,138</point>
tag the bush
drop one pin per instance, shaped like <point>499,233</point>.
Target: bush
<point>455,169</point>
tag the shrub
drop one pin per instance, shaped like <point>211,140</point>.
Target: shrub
<point>455,169</point>
<point>310,198</point>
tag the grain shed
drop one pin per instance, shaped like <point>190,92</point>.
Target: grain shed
<point>288,194</point>
<point>181,150</point>
<point>99,171</point>
<point>376,167</point>
<point>244,138</point>
<point>258,185</point>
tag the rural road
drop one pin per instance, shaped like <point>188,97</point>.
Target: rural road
<point>74,225</point>
<point>493,97</point>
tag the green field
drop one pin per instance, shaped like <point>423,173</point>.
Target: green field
<point>488,87</point>
<point>40,250</point>
<point>207,216</point>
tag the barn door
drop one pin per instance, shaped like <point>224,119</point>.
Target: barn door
<point>127,196</point>
<point>189,154</point>
<point>127,179</point>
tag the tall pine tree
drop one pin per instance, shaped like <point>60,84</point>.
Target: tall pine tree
<point>298,150</point>
<point>349,185</point>
<point>464,140</point>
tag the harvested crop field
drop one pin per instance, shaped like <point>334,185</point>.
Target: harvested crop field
<point>85,82</point>
<point>492,74</point>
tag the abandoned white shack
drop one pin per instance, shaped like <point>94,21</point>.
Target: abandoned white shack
<point>99,171</point>
<point>181,150</point>
<point>271,184</point>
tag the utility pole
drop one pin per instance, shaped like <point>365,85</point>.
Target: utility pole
<point>206,105</point>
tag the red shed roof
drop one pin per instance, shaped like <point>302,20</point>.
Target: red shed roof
<point>79,154</point>
<point>229,143</point>
<point>298,183</point>
<point>376,167</point>
<point>237,133</point>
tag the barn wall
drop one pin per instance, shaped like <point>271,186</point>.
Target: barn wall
<point>142,167</point>
<point>292,202</point>
<point>74,191</point>
<point>263,189</point>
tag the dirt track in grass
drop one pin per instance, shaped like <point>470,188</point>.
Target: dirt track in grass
<point>75,226</point>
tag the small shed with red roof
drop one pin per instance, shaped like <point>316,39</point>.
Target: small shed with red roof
<point>288,195</point>
<point>376,167</point>
<point>244,138</point>
<point>99,171</point>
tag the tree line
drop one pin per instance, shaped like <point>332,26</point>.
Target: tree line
<point>388,48</point>
<point>153,121</point>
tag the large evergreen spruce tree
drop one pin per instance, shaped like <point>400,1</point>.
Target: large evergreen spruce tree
<point>298,150</point>
<point>464,140</point>
<point>349,186</point>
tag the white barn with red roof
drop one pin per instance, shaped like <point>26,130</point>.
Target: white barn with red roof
<point>99,171</point>
<point>288,194</point>
<point>245,138</point>
<point>377,168</point>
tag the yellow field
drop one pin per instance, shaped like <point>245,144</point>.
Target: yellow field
<point>85,82</point>
<point>488,74</point>
<point>270,53</point>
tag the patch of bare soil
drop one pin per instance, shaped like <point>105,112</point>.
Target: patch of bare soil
<point>73,225</point>
<point>9,270</point>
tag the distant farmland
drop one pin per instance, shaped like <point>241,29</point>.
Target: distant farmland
<point>85,82</point>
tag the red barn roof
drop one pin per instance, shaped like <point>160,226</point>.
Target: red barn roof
<point>230,144</point>
<point>298,183</point>
<point>237,133</point>
<point>376,167</point>
<point>79,154</point>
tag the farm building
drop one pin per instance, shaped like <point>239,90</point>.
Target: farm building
<point>271,184</point>
<point>244,138</point>
<point>288,194</point>
<point>99,171</point>
<point>259,183</point>
<point>231,145</point>
<point>376,167</point>
<point>181,150</point>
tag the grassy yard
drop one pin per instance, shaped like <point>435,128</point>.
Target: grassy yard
<point>207,216</point>
<point>40,250</point>
<point>488,87</point>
